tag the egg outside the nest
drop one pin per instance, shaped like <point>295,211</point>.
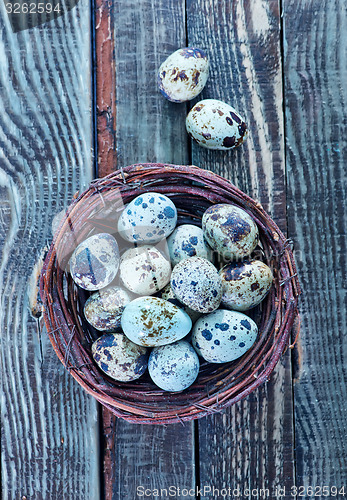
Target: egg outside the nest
<point>151,322</point>
<point>183,74</point>
<point>120,358</point>
<point>173,367</point>
<point>215,124</point>
<point>245,284</point>
<point>223,335</point>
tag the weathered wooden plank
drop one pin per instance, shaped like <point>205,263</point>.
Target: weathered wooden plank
<point>251,445</point>
<point>148,128</point>
<point>315,98</point>
<point>49,424</point>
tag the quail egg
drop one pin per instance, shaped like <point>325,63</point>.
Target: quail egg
<point>149,218</point>
<point>95,262</point>
<point>120,358</point>
<point>187,241</point>
<point>150,321</point>
<point>197,284</point>
<point>144,270</point>
<point>245,284</point>
<point>230,231</point>
<point>173,367</point>
<point>216,125</point>
<point>183,75</point>
<point>104,308</point>
<point>223,335</point>
<point>167,294</point>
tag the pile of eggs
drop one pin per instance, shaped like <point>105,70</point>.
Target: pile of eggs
<point>213,124</point>
<point>161,303</point>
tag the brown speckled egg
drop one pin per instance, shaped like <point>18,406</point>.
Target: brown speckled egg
<point>104,308</point>
<point>120,358</point>
<point>245,284</point>
<point>144,270</point>
<point>216,125</point>
<point>230,231</point>
<point>197,284</point>
<point>183,75</point>
<point>150,321</point>
<point>95,262</point>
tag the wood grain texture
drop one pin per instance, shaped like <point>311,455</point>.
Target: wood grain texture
<point>251,445</point>
<point>49,431</point>
<point>105,86</point>
<point>149,128</point>
<point>315,98</point>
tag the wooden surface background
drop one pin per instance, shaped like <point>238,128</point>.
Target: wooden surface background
<point>79,99</point>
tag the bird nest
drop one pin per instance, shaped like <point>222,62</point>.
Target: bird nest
<point>192,190</point>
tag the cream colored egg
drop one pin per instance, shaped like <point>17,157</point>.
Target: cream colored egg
<point>245,284</point>
<point>183,75</point>
<point>216,125</point>
<point>144,270</point>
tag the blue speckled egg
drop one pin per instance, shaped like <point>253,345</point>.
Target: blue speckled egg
<point>197,284</point>
<point>149,218</point>
<point>150,321</point>
<point>173,367</point>
<point>144,270</point>
<point>120,358</point>
<point>167,294</point>
<point>223,335</point>
<point>183,75</point>
<point>95,262</point>
<point>230,231</point>
<point>104,308</point>
<point>188,241</point>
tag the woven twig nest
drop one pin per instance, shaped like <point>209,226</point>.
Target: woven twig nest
<point>218,385</point>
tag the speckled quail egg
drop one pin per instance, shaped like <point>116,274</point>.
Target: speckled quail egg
<point>150,321</point>
<point>245,284</point>
<point>183,75</point>
<point>120,358</point>
<point>144,270</point>
<point>173,367</point>
<point>95,262</point>
<point>104,308</point>
<point>197,284</point>
<point>187,241</point>
<point>167,294</point>
<point>223,335</point>
<point>230,231</point>
<point>216,125</point>
<point>149,218</point>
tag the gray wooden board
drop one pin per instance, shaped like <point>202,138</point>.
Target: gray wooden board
<point>149,129</point>
<point>49,424</point>
<point>251,445</point>
<point>315,100</point>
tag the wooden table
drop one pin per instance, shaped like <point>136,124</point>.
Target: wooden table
<point>79,99</point>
